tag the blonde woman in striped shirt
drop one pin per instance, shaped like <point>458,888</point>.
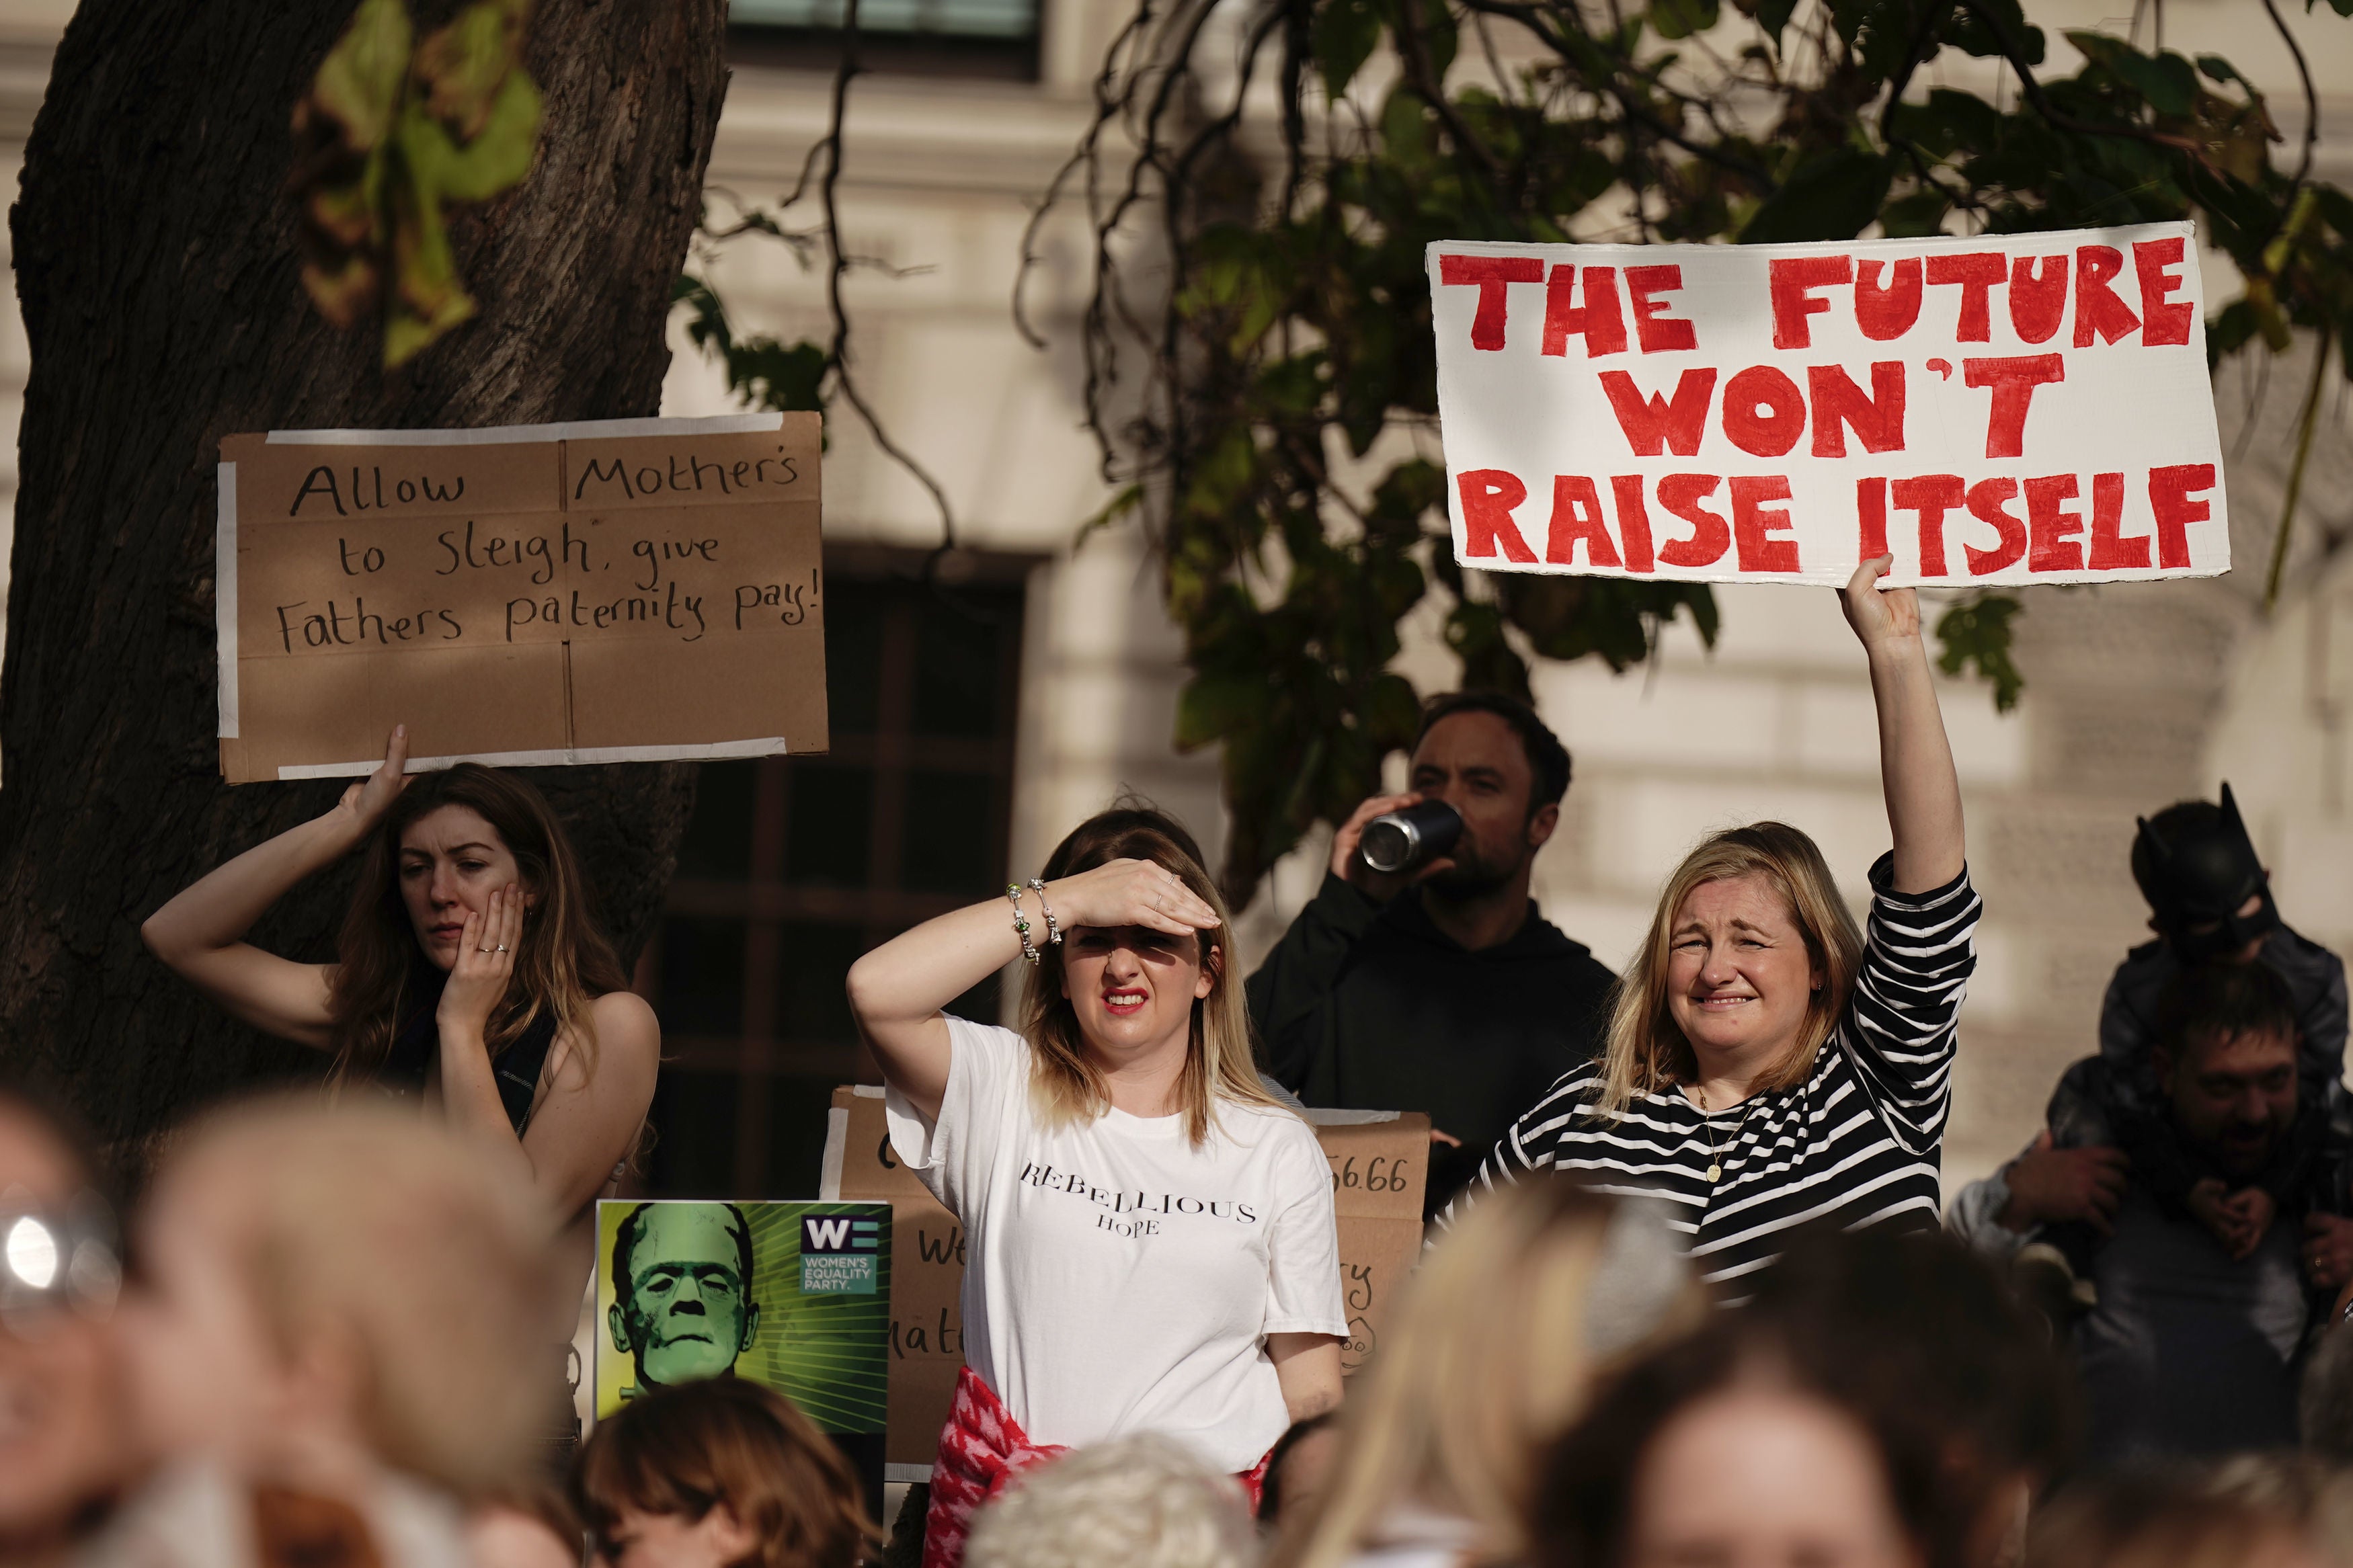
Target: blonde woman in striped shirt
<point>1769,1064</point>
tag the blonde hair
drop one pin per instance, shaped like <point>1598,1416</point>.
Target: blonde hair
<point>1646,1052</point>
<point>2161,1516</point>
<point>367,1222</point>
<point>1489,1358</point>
<point>1140,1502</point>
<point>1067,1085</point>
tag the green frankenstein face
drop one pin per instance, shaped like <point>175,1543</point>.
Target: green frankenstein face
<point>682,1303</point>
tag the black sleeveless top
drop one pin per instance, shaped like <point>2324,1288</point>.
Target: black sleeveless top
<point>418,1041</point>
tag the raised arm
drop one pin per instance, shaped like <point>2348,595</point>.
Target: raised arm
<point>1915,761</point>
<point>898,990</point>
<point>200,934</point>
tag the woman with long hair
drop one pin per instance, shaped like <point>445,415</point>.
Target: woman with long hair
<point>469,970</point>
<point>1767,1063</point>
<point>1150,1238</point>
<point>1486,1360</point>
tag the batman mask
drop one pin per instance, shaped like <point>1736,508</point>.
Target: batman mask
<point>2198,868</point>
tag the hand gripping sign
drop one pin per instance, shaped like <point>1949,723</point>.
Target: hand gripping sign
<point>2023,408</point>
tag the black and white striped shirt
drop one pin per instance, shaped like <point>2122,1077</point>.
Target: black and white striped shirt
<point>1857,1144</point>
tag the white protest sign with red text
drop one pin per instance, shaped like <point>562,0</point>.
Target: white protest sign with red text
<point>2019,408</point>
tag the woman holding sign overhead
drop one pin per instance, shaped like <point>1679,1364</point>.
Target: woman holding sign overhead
<point>469,970</point>
<point>1769,1064</point>
<point>1151,1240</point>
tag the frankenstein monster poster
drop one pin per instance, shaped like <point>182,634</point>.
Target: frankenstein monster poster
<point>793,1296</point>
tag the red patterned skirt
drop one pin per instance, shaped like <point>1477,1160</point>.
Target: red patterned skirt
<point>982,1448</point>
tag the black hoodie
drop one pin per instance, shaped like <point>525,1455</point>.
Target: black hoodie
<point>1372,1007</point>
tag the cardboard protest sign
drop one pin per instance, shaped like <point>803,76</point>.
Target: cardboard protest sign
<point>2015,408</point>
<point>606,590</point>
<point>1379,1161</point>
<point>812,1320</point>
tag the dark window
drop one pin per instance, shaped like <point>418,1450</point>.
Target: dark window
<point>792,866</point>
<point>994,38</point>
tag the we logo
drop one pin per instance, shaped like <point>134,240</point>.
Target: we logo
<point>838,1254</point>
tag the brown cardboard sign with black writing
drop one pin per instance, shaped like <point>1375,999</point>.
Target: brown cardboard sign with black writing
<point>1379,1165</point>
<point>603,591</point>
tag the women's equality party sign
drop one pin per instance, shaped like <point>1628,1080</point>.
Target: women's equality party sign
<point>619,590</point>
<point>2005,409</point>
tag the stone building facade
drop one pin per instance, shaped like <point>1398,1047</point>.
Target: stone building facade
<point>2137,697</point>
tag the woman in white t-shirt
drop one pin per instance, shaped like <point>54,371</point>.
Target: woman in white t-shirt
<point>1150,1242</point>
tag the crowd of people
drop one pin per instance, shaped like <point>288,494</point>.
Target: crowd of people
<point>1690,1300</point>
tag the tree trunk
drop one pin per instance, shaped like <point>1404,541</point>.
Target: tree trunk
<point>155,260</point>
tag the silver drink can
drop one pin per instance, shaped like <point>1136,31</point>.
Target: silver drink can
<point>1412,836</point>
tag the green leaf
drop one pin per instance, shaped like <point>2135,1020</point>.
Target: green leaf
<point>1948,122</point>
<point>464,66</point>
<point>2228,331</point>
<point>1833,194</point>
<point>359,82</point>
<point>2165,82</point>
<point>1439,35</point>
<point>1342,40</point>
<point>1405,132</point>
<point>2217,69</point>
<point>1211,708</point>
<point>1681,18</point>
<point>1980,29</point>
<point>1915,217</point>
<point>1977,632</point>
<point>492,162</point>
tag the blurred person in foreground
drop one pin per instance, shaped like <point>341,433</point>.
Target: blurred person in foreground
<point>1488,1359</point>
<point>719,1474</point>
<point>470,973</point>
<point>531,1526</point>
<point>2166,1517</point>
<point>1770,1064</point>
<point>2314,1494</point>
<point>1729,1448</point>
<point>331,1342</point>
<point>1298,1469</point>
<point>64,1449</point>
<point>1918,1329</point>
<point>1440,989</point>
<point>1138,1501</point>
<point>2193,1339</point>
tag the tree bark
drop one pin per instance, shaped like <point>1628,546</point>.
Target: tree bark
<point>155,260</point>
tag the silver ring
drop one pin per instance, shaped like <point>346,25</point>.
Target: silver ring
<point>500,948</point>
<point>482,950</point>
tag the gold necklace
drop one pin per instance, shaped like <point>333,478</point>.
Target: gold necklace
<point>1716,1155</point>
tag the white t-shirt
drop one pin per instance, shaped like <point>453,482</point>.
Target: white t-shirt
<point>1118,1278</point>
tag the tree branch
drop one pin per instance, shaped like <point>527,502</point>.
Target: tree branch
<point>838,356</point>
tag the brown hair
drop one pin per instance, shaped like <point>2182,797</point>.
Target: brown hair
<point>564,962</point>
<point>365,1221</point>
<point>1488,1359</point>
<point>688,1449</point>
<point>1584,1512</point>
<point>1646,1052</point>
<point>1219,1064</point>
